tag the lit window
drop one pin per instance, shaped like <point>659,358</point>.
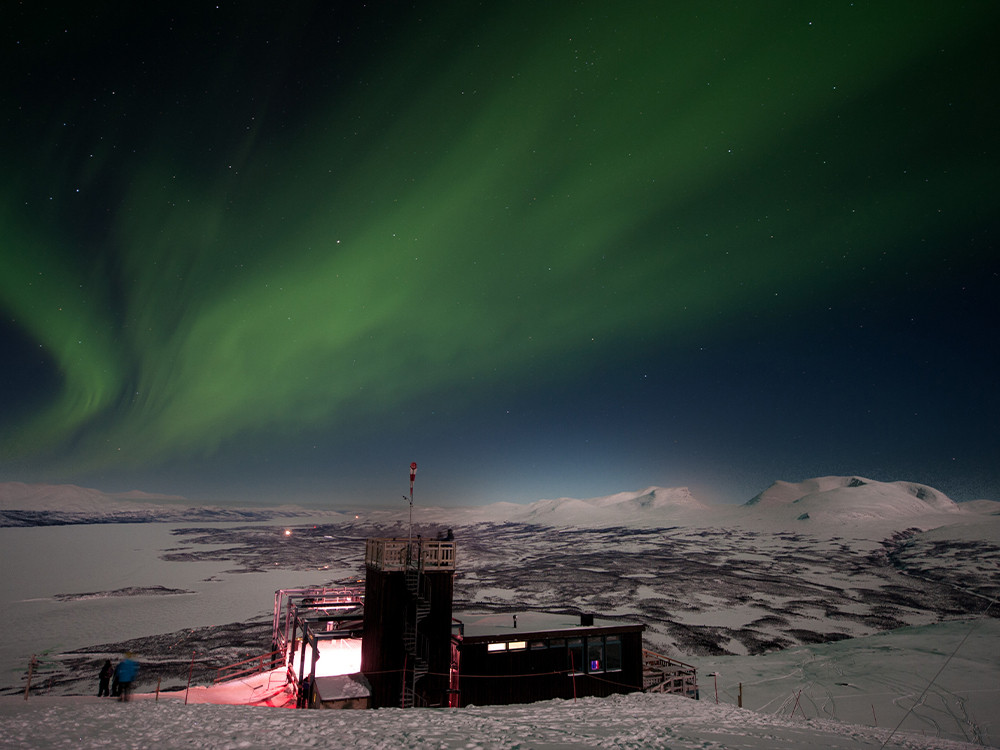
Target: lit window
<point>496,646</point>
<point>517,645</point>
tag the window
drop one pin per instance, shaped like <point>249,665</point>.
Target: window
<point>506,646</point>
<point>612,653</point>
<point>575,662</point>
<point>595,654</point>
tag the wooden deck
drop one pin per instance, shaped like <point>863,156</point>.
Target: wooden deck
<point>661,674</point>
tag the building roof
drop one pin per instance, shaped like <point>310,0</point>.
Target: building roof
<point>343,687</point>
<point>493,627</point>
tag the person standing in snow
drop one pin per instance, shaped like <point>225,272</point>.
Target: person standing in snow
<point>126,672</point>
<point>104,679</point>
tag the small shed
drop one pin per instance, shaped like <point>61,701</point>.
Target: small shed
<point>531,656</point>
<point>341,691</point>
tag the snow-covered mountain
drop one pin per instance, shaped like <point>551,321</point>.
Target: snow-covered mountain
<point>831,501</point>
<point>815,505</point>
<point>653,504</point>
<point>851,499</point>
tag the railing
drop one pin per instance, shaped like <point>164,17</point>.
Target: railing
<point>284,609</point>
<point>397,554</point>
<point>661,674</point>
<point>253,665</point>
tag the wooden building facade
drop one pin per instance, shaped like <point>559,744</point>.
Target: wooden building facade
<point>536,656</point>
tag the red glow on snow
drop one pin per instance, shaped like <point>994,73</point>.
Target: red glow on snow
<point>342,656</point>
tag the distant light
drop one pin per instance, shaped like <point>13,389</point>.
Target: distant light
<point>288,532</point>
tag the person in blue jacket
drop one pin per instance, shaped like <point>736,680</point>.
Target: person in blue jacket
<point>126,672</point>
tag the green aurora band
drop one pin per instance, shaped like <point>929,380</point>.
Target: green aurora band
<point>498,198</point>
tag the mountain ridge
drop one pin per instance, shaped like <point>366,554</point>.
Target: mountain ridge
<point>819,501</point>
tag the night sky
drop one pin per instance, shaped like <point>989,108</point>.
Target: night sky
<point>274,252</point>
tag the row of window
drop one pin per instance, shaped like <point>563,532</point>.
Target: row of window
<point>590,655</point>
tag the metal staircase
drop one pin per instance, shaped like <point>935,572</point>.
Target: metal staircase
<point>414,642</point>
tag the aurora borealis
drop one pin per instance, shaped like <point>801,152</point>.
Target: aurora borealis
<point>266,253</point>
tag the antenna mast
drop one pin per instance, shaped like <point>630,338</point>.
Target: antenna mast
<point>413,475</point>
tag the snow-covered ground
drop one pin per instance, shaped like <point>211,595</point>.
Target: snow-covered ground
<point>633,721</point>
<point>843,607</point>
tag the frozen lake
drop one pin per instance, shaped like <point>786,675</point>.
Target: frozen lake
<point>43,562</point>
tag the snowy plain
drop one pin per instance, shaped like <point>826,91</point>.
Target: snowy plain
<point>839,607</point>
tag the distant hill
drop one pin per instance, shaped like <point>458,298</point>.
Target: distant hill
<point>623,508</point>
<point>63,504</point>
<point>986,507</point>
<point>653,506</point>
<point>71,498</point>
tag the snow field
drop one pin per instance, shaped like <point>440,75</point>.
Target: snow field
<point>636,721</point>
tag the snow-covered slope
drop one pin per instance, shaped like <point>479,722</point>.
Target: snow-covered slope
<point>630,721</point>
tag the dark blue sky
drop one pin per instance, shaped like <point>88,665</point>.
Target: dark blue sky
<point>275,255</point>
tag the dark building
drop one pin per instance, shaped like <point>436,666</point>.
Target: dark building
<point>534,656</point>
<point>413,652</point>
<point>406,646</point>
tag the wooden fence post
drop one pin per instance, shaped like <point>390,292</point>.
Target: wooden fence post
<point>31,670</point>
<point>190,670</point>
